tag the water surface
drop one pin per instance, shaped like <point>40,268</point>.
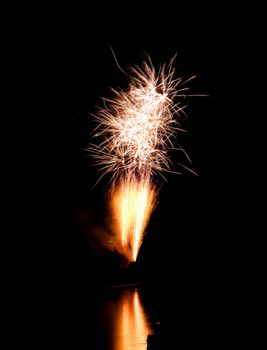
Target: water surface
<point>122,321</point>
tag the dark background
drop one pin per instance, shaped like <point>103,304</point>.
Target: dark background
<point>191,256</point>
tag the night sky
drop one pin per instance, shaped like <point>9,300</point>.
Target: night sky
<point>189,249</point>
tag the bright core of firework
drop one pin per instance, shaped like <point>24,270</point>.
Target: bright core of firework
<point>132,203</point>
<point>136,129</point>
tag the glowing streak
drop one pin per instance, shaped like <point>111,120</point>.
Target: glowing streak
<point>136,128</point>
<point>132,204</point>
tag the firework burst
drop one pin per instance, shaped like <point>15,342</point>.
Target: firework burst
<point>136,128</point>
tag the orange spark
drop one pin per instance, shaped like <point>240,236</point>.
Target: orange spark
<point>132,205</point>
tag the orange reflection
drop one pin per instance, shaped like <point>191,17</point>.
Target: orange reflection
<point>131,326</point>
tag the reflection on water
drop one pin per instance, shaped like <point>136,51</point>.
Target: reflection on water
<point>127,322</point>
<point>132,327</point>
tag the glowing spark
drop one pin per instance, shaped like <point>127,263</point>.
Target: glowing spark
<point>137,126</point>
<point>132,204</point>
<point>136,129</point>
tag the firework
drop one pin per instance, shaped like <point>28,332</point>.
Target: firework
<point>136,129</point>
<point>132,204</point>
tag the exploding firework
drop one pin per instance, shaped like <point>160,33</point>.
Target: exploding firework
<point>136,130</point>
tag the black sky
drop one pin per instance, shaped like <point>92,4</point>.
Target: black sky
<point>191,239</point>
